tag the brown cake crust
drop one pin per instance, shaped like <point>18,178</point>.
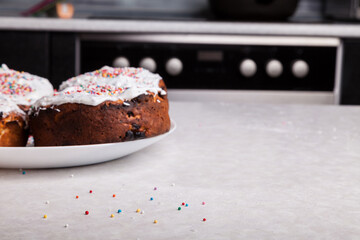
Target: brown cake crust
<point>13,132</point>
<point>111,121</point>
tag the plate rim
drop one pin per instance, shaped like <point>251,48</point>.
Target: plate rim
<point>173,126</point>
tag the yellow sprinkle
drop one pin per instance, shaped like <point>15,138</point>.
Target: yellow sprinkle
<point>112,215</point>
<point>138,210</point>
<point>45,216</point>
<point>155,221</point>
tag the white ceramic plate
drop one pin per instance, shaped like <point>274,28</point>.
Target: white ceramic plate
<point>69,156</point>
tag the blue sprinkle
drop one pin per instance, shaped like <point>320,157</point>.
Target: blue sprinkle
<point>151,199</point>
<point>119,211</point>
<point>23,172</point>
<point>186,205</point>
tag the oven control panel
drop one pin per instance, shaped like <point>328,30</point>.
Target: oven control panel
<point>248,63</point>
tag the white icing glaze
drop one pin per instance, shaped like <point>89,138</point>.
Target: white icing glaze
<point>106,84</point>
<point>7,106</point>
<point>23,88</point>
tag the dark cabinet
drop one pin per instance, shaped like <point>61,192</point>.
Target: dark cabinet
<point>350,79</point>
<point>62,57</point>
<point>26,51</point>
<point>49,55</point>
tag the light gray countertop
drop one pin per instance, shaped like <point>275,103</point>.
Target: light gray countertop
<point>263,171</point>
<point>138,26</point>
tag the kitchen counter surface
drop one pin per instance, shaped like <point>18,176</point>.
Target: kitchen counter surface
<point>263,171</point>
<point>133,26</point>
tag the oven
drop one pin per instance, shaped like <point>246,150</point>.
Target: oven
<point>249,68</point>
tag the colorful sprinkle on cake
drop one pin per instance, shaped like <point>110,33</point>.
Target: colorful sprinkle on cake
<point>105,84</point>
<point>21,87</point>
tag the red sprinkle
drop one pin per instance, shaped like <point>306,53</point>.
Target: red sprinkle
<point>87,213</point>
<point>90,191</point>
<point>77,197</point>
<point>114,195</point>
<point>183,204</point>
<point>203,203</point>
<point>204,219</point>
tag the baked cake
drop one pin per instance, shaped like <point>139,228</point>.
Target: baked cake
<point>13,127</point>
<point>103,106</point>
<point>23,88</point>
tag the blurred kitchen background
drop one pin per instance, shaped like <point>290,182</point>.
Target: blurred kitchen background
<point>282,51</point>
<point>307,10</point>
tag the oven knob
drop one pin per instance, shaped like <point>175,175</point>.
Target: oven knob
<point>148,63</point>
<point>174,66</point>
<point>248,68</point>
<point>274,68</point>
<point>300,69</point>
<point>121,62</point>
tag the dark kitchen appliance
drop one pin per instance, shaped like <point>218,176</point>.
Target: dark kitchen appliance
<point>253,9</point>
<point>220,62</point>
<point>268,62</point>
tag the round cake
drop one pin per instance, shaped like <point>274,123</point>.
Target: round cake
<point>13,127</point>
<point>103,106</point>
<point>23,88</point>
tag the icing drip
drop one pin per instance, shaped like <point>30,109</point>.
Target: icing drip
<point>105,84</point>
<point>7,106</point>
<point>21,87</point>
